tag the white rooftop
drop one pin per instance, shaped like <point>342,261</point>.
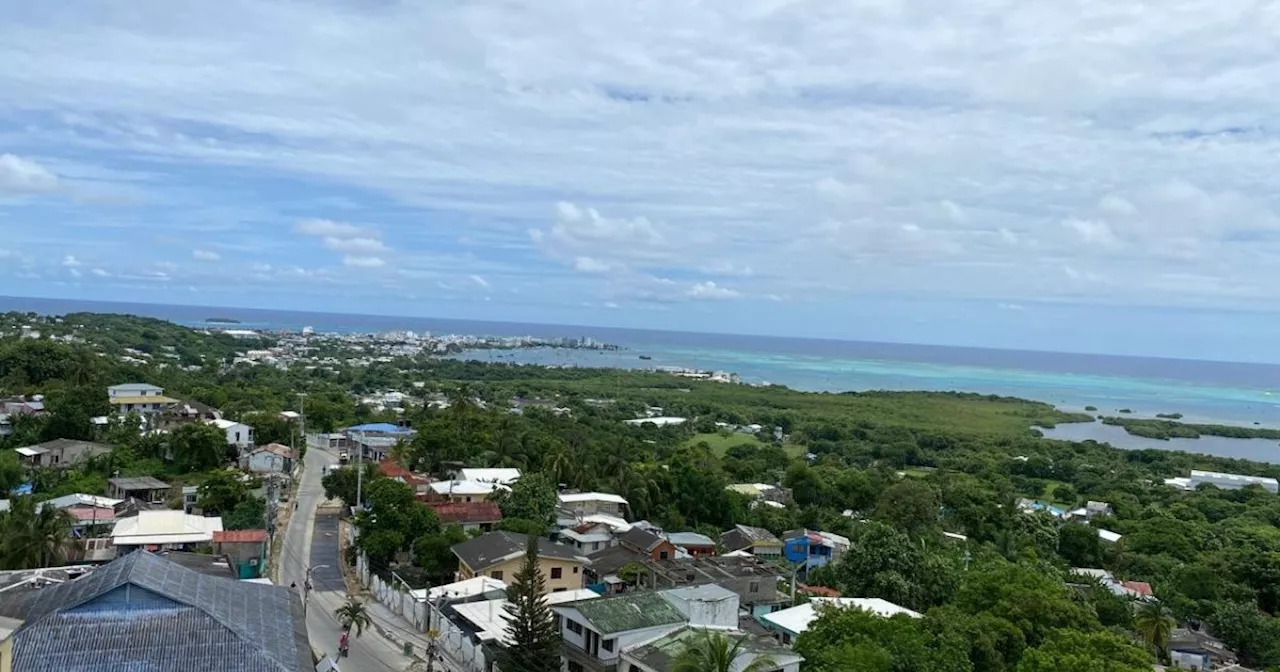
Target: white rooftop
<point>465,487</point>
<point>222,423</point>
<point>592,497</point>
<point>618,524</point>
<point>1108,535</point>
<point>460,590</point>
<point>490,617</point>
<point>164,527</point>
<point>503,476</point>
<point>797,619</point>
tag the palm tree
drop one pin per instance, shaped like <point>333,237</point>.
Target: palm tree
<point>707,651</point>
<point>1154,623</point>
<point>34,536</point>
<point>353,615</point>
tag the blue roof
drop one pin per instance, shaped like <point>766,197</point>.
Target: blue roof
<point>24,489</point>
<point>381,428</point>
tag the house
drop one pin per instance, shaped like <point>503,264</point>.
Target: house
<point>591,503</point>
<point>461,491</point>
<point>1196,650</point>
<point>370,448</point>
<point>659,654</point>
<point>762,493</point>
<point>144,488</point>
<point>696,545</point>
<point>754,540</point>
<point>813,549</point>
<point>470,515</point>
<point>789,623</point>
<point>273,458</point>
<point>91,516</point>
<point>588,537</point>
<point>1036,506</point>
<point>60,453</point>
<point>498,555</point>
<point>238,434</point>
<point>499,476</point>
<point>596,633</point>
<point>164,529</point>
<point>143,612</point>
<point>1137,590</point>
<point>184,412</point>
<point>246,550</point>
<point>138,398</point>
<point>420,484</point>
<point>636,545</point>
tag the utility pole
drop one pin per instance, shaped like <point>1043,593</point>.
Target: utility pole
<point>359,468</point>
<point>302,418</point>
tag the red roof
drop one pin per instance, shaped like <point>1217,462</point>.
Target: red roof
<point>278,449</point>
<point>239,536</point>
<point>1139,587</point>
<point>820,591</point>
<point>467,512</point>
<point>390,469</point>
<point>91,513</point>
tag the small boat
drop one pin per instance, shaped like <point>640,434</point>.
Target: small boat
<point>645,357</point>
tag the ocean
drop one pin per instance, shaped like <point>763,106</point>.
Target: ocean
<point>1202,391</point>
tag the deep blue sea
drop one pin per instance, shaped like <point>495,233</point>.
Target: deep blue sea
<point>1202,391</point>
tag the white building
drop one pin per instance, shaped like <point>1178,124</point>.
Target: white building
<point>272,458</point>
<point>1229,481</point>
<point>465,491</point>
<point>660,421</point>
<point>478,627</point>
<point>791,622</point>
<point>499,476</point>
<point>168,530</point>
<point>238,434</point>
<point>588,503</point>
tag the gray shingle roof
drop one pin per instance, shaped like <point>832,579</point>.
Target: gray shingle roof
<point>230,624</point>
<point>490,549</point>
<point>628,611</point>
<point>138,483</point>
<point>641,539</point>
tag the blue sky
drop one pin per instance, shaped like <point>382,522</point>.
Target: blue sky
<point>1080,175</point>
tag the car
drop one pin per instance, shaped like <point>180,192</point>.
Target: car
<point>342,457</point>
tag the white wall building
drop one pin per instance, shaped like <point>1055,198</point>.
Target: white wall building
<point>791,622</point>
<point>238,434</point>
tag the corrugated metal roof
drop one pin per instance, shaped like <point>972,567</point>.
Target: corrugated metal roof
<point>242,626</point>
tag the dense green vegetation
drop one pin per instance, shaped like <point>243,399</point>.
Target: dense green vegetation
<point>1169,429</point>
<point>911,465</point>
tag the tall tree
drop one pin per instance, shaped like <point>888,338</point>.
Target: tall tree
<point>1154,623</point>
<point>535,642</point>
<point>708,651</point>
<point>33,536</point>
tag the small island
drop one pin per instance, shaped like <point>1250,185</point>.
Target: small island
<point>222,320</point>
<point>1164,430</point>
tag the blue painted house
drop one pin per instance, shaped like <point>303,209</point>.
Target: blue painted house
<point>812,549</point>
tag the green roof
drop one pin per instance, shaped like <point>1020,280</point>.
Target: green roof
<point>630,611</point>
<point>661,653</point>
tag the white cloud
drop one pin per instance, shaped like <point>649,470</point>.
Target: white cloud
<point>710,290</point>
<point>101,273</point>
<point>1017,307</point>
<point>205,255</point>
<point>70,261</point>
<point>75,272</point>
<point>355,261</point>
<point>21,175</point>
<point>1092,232</point>
<point>610,305</point>
<point>355,245</point>
<point>480,281</point>
<point>328,228</point>
<point>590,265</point>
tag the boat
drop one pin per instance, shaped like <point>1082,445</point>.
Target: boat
<point>645,357</point>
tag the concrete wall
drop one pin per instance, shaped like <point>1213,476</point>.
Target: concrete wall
<point>394,595</point>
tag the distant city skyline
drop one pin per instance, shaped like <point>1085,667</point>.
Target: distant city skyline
<point>1076,176</point>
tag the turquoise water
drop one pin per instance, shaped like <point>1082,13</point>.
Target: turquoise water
<point>1145,397</point>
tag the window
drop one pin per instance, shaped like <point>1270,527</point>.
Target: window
<point>557,572</point>
<point>607,644</point>
<point>662,555</point>
<point>559,590</point>
<point>575,569</point>
<point>496,575</point>
<point>753,587</point>
<point>573,626</point>
<point>575,666</point>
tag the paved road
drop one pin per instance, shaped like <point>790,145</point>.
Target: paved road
<point>312,540</point>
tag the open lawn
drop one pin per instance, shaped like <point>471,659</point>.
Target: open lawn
<point>719,443</point>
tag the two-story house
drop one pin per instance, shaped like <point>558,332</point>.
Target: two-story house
<point>498,555</point>
<point>238,434</point>
<point>696,545</point>
<point>140,398</point>
<point>813,549</point>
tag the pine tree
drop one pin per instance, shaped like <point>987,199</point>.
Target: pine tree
<point>535,642</point>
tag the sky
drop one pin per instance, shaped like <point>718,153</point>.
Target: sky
<point>1086,175</point>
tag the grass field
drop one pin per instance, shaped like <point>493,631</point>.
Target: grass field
<point>719,444</point>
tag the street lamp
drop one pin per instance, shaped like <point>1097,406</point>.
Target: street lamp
<point>306,585</point>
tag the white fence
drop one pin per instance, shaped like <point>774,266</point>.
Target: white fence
<point>394,595</point>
